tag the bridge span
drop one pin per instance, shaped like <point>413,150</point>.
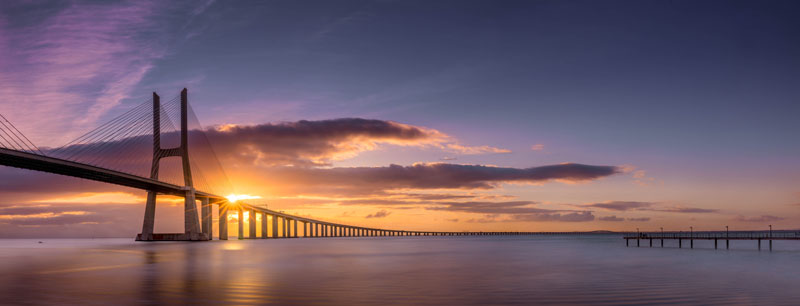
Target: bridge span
<point>17,151</point>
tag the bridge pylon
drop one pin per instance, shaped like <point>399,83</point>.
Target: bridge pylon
<point>192,231</point>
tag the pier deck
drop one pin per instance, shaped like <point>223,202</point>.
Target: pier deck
<point>716,236</point>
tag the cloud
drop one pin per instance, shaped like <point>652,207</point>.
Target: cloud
<point>47,215</point>
<point>84,220</point>
<point>380,214</point>
<point>646,206</point>
<point>645,219</point>
<point>537,147</point>
<point>474,150</point>
<point>611,218</point>
<point>762,218</point>
<point>682,209</point>
<point>486,219</point>
<point>76,61</point>
<point>518,211</point>
<point>512,207</point>
<point>620,205</point>
<point>426,176</point>
<point>319,143</point>
<point>640,178</point>
<point>583,216</point>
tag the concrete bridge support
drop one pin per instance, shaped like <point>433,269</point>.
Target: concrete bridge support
<point>241,223</point>
<point>251,218</point>
<point>295,229</point>
<point>205,210</point>
<point>192,230</point>
<point>274,226</point>
<point>223,221</point>
<point>264,229</point>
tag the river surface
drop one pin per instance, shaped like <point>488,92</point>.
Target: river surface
<point>596,269</point>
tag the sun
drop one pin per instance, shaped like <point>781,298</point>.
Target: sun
<point>236,197</point>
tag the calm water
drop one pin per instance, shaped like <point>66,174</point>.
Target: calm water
<point>406,270</point>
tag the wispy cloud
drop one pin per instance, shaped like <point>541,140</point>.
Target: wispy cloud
<point>82,219</point>
<point>762,218</point>
<point>73,63</point>
<point>380,214</point>
<point>683,209</point>
<point>611,218</point>
<point>512,207</point>
<point>581,216</point>
<point>647,206</point>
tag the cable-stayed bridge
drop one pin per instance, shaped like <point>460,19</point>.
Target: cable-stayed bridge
<point>162,148</point>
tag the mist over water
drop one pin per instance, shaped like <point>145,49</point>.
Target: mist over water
<point>596,269</point>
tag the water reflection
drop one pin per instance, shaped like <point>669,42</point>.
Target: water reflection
<point>406,270</point>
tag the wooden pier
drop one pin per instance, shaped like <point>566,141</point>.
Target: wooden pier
<point>716,236</point>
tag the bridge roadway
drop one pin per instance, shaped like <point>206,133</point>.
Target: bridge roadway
<point>285,222</point>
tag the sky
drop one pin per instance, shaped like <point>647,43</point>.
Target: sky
<point>425,115</point>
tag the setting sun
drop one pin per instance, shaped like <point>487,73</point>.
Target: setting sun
<point>236,197</point>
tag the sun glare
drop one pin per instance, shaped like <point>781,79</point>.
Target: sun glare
<point>236,197</point>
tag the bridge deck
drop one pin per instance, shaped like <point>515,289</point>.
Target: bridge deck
<point>25,160</point>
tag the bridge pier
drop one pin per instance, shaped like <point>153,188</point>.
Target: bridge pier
<point>223,221</point>
<point>274,226</point>
<point>191,224</point>
<point>251,217</point>
<point>240,223</point>
<point>205,211</point>
<point>295,228</point>
<point>264,225</point>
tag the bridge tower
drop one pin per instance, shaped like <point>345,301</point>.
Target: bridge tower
<point>191,223</point>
